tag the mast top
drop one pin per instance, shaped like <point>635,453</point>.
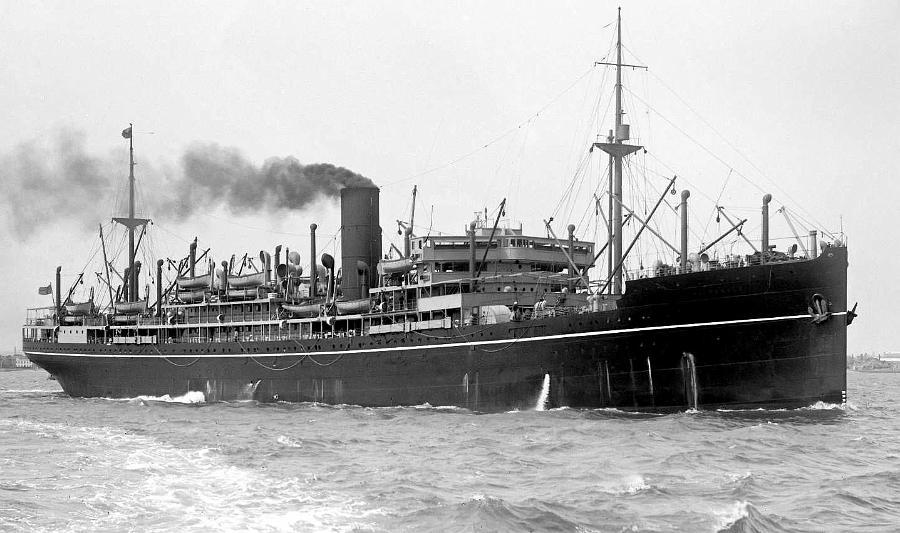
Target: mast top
<point>130,221</point>
<point>622,131</point>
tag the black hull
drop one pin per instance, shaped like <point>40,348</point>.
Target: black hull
<point>739,338</point>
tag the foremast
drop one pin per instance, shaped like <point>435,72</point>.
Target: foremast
<point>131,222</point>
<point>617,150</point>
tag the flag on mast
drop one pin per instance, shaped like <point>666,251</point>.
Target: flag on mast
<point>43,291</point>
<point>127,132</point>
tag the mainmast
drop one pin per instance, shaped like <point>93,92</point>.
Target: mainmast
<point>131,222</point>
<point>618,150</point>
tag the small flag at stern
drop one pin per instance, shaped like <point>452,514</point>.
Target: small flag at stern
<point>43,291</point>
<point>127,132</point>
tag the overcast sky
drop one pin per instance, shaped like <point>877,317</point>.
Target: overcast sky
<point>472,102</point>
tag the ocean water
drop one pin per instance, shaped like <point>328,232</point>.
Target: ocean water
<point>163,464</point>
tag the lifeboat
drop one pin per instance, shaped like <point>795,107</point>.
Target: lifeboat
<point>247,280</point>
<point>243,293</point>
<point>195,282</point>
<point>352,307</point>
<point>190,297</point>
<point>304,310</point>
<point>387,267</point>
<point>131,308</point>
<point>85,308</point>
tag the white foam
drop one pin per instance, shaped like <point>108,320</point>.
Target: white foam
<point>630,484</point>
<point>734,477</point>
<point>823,406</point>
<point>727,517</point>
<point>187,489</point>
<point>289,442</point>
<point>188,397</point>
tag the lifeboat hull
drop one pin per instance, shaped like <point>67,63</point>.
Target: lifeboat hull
<point>196,282</point>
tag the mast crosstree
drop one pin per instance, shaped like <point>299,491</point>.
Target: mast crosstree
<point>131,222</point>
<point>617,150</point>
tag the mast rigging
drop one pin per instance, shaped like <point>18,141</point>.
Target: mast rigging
<point>131,222</point>
<point>617,150</point>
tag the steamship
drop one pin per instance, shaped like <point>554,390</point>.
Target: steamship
<point>490,319</point>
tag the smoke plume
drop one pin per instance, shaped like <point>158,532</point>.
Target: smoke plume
<point>55,183</point>
<point>212,175</point>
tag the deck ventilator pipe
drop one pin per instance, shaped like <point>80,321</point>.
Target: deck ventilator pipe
<point>159,290</point>
<point>313,273</point>
<point>813,244</point>
<point>765,228</point>
<point>685,194</point>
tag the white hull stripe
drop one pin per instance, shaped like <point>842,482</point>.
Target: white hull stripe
<point>561,336</point>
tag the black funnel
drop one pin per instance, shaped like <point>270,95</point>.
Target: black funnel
<point>360,238</point>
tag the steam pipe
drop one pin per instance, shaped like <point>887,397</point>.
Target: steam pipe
<point>126,284</point>
<point>313,273</point>
<point>193,258</point>
<point>685,194</point>
<point>571,229</point>
<point>407,245</point>
<point>363,270</point>
<point>159,290</point>
<point>137,277</point>
<point>328,263</point>
<point>224,280</point>
<point>471,233</point>
<point>813,245</point>
<point>58,290</point>
<point>765,228</point>
<point>572,266</point>
<point>266,261</point>
<point>277,262</point>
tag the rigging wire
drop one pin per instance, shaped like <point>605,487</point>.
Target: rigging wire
<point>496,138</point>
<point>718,198</point>
<point>721,160</point>
<point>730,145</point>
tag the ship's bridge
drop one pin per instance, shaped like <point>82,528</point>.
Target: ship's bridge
<point>448,257</point>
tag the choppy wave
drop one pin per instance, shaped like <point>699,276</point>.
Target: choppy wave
<point>628,485</point>
<point>488,513</point>
<point>743,517</point>
<point>163,464</point>
<point>190,488</point>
